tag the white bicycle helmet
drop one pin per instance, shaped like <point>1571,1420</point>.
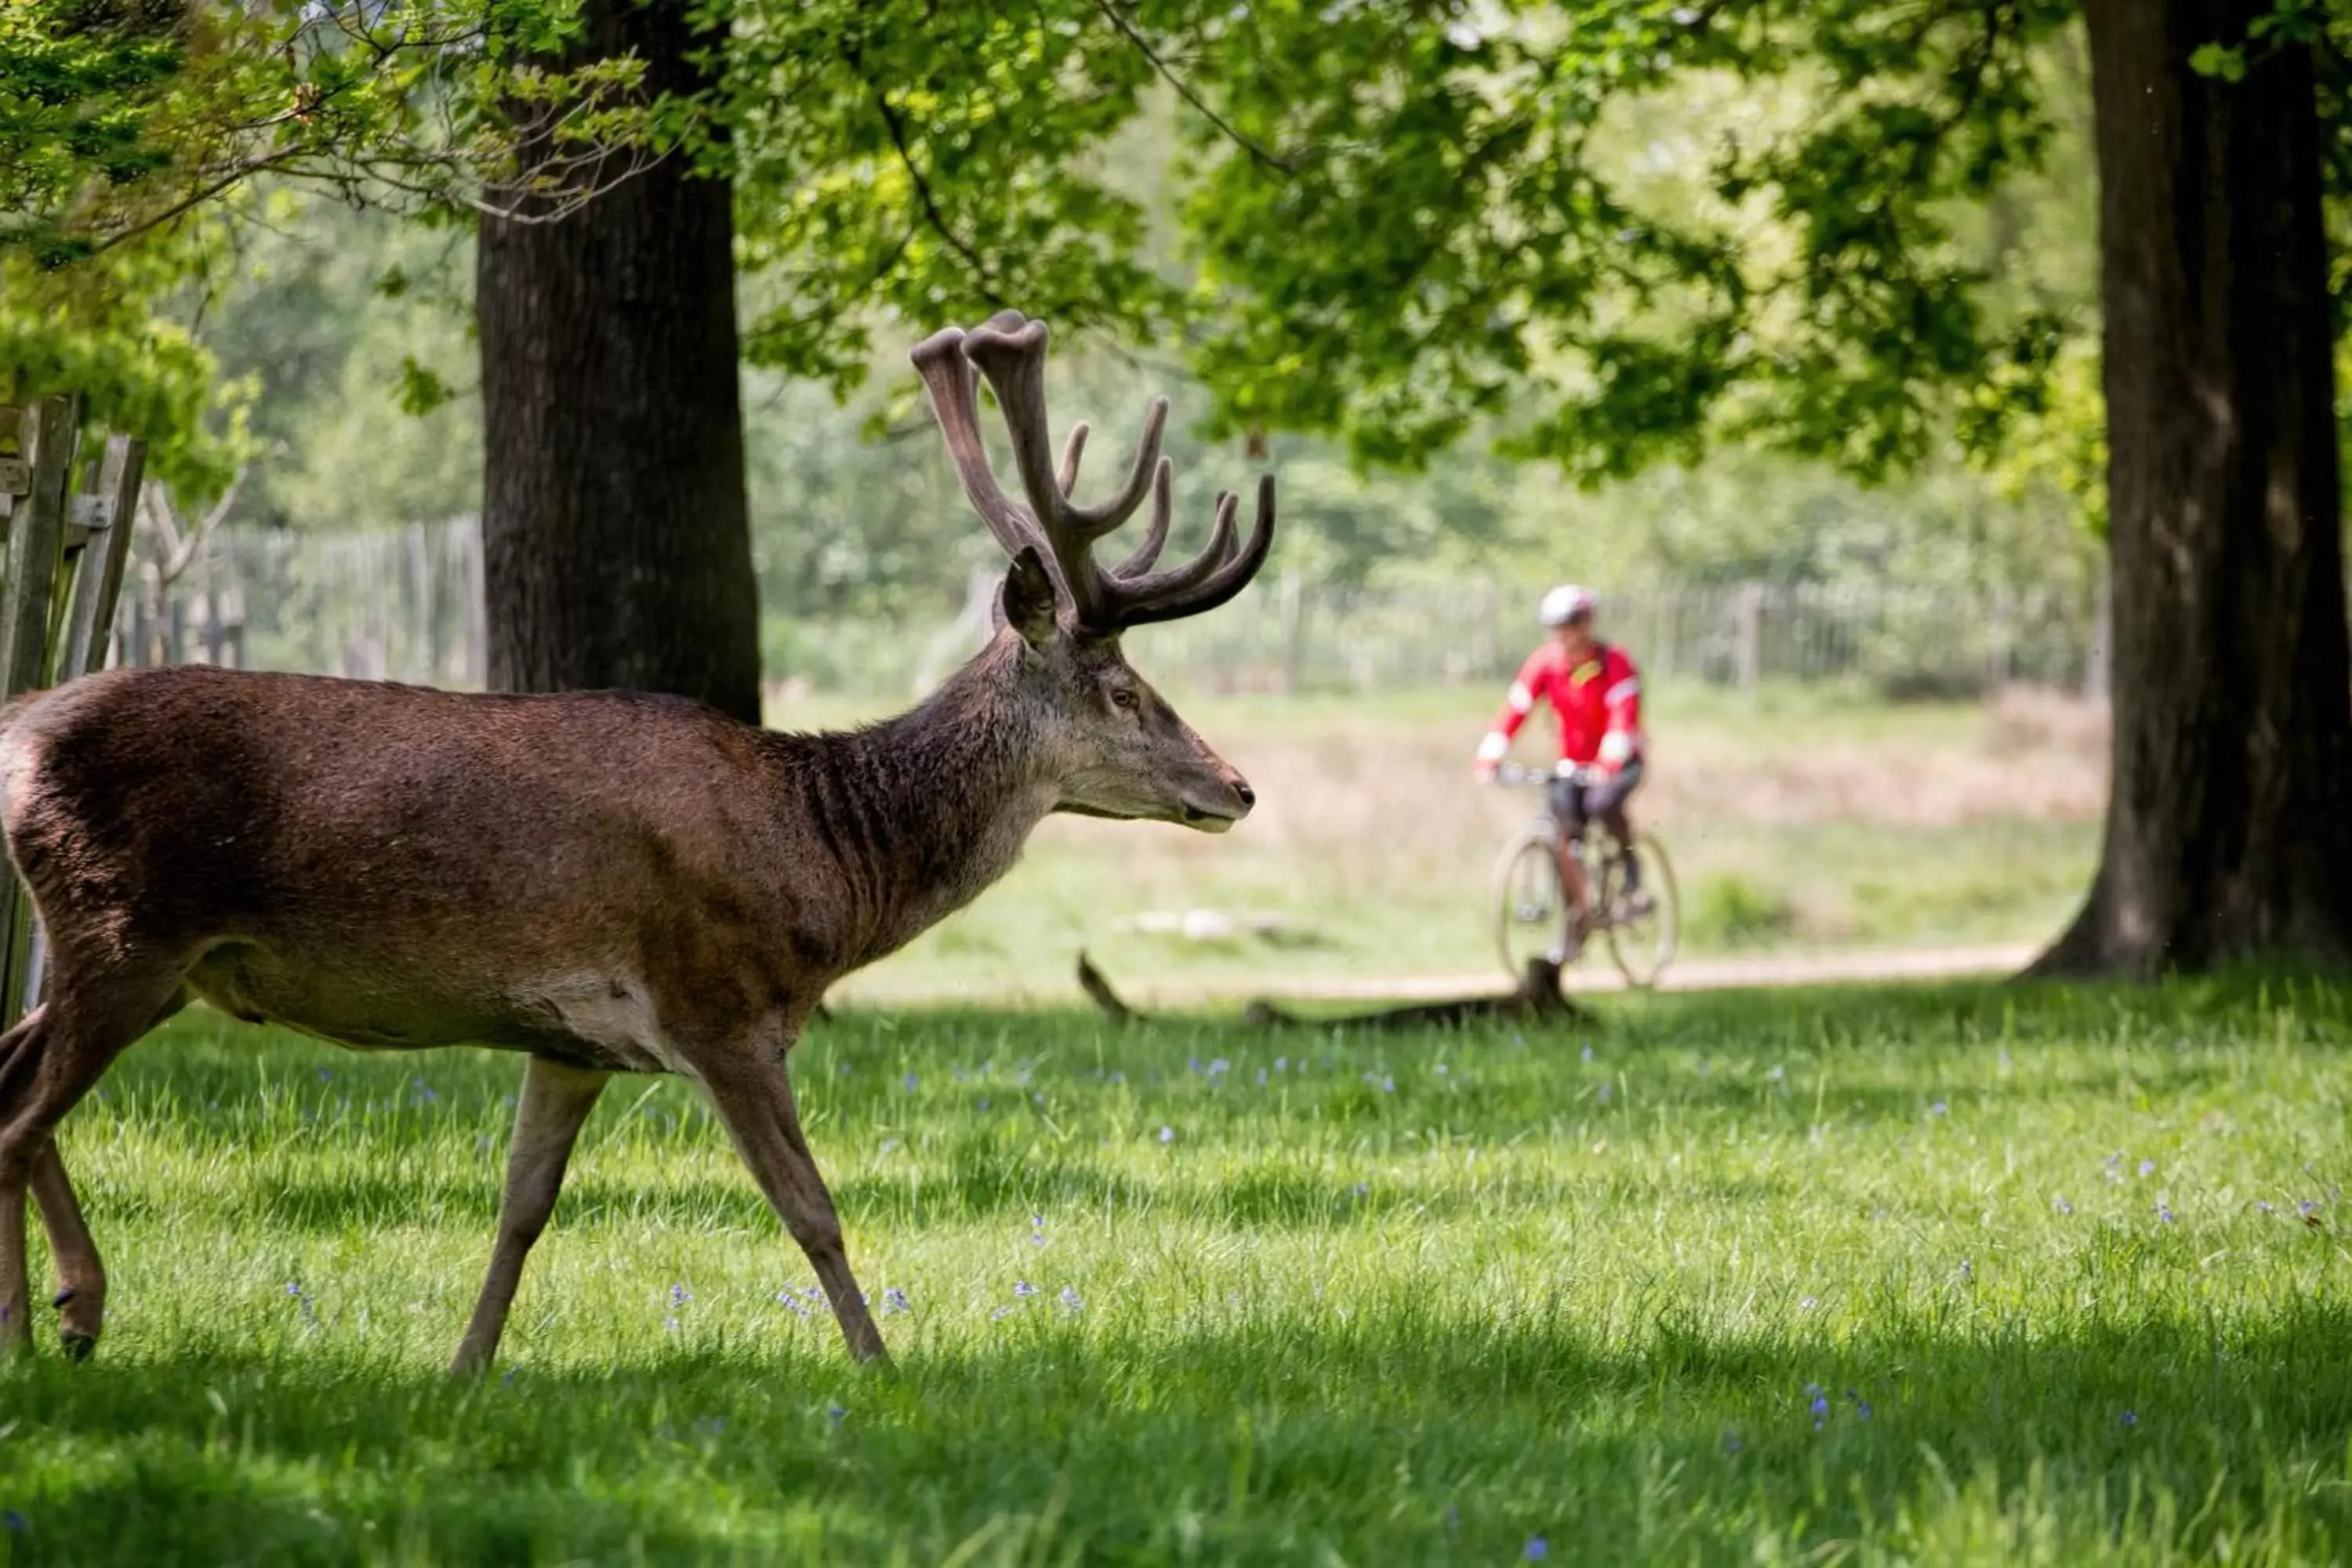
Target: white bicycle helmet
<point>1565,604</point>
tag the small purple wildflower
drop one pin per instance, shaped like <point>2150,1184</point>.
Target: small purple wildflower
<point>2306,1208</point>
<point>1939,1109</point>
<point>1168,1134</point>
<point>670,1323</point>
<point>911,1082</point>
<point>679,1295</point>
<point>16,1523</point>
<point>895,1300</point>
<point>1219,1067</point>
<point>1537,1549</point>
<point>2061,1205</point>
<point>1261,1077</point>
<point>1588,1053</point>
<point>1023,1287</point>
<point>1778,1075</point>
<point>1361,1189</point>
<point>835,1413</point>
<point>1809,1303</point>
<point>1000,1312</point>
<point>1071,1300</point>
<point>1606,1090</point>
<point>2146,1168</point>
<point>2131,1418</point>
<point>292,1289</point>
<point>1282,1064</point>
<point>2262,1206</point>
<point>1820,1405</point>
<point>1388,1086</point>
<point>1861,1405</point>
<point>1732,1443</point>
<point>792,1301</point>
<point>2163,1212</point>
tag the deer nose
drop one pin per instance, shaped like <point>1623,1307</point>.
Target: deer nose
<point>1241,788</point>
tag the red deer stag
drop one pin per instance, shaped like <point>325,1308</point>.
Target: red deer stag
<point>607,882</point>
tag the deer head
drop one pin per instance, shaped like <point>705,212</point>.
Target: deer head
<point>1114,746</point>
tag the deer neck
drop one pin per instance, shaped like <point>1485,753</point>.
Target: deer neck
<point>927,809</point>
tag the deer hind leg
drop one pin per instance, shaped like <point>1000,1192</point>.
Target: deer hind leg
<point>50,1060</point>
<point>754,1099</point>
<point>556,1100</point>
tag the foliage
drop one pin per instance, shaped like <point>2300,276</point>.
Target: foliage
<point>1431,1299</point>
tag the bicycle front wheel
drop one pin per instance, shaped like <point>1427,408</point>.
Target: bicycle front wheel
<point>1530,908</point>
<point>1646,922</point>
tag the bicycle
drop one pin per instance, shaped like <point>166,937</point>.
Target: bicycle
<point>1530,907</point>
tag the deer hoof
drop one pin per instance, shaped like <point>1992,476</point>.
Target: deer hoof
<point>77,1346</point>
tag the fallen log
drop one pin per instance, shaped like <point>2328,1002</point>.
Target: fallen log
<point>1538,1000</point>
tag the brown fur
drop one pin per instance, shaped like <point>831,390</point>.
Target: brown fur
<point>606,881</point>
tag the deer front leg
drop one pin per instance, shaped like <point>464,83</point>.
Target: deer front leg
<point>81,1277</point>
<point>556,1100</point>
<point>754,1097</point>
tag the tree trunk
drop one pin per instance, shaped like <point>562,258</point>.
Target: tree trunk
<point>615,540</point>
<point>2229,817</point>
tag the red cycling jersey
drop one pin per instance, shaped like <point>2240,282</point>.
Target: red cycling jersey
<point>1598,702</point>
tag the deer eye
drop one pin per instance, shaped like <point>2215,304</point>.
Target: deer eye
<point>1125,697</point>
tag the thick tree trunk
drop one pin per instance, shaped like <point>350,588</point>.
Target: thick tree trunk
<point>617,544</point>
<point>2229,821</point>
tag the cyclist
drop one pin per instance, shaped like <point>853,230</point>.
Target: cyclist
<point>1596,699</point>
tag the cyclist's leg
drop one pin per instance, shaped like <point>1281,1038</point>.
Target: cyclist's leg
<point>1569,814</point>
<point>1607,801</point>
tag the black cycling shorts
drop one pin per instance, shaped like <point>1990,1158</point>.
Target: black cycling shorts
<point>1573,805</point>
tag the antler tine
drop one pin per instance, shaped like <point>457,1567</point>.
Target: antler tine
<point>1073,448</point>
<point>1189,575</point>
<point>1095,522</point>
<point>1136,564</point>
<point>955,399</point>
<point>1221,584</point>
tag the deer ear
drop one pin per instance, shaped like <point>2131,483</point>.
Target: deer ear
<point>1027,602</point>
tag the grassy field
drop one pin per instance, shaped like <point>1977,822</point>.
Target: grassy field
<point>1800,819</point>
<point>1953,1276</point>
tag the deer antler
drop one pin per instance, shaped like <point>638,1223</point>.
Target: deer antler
<point>1009,351</point>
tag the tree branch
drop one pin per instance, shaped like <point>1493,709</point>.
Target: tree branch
<point>1256,151</point>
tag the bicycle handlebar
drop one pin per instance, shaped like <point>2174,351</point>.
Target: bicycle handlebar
<point>1514,774</point>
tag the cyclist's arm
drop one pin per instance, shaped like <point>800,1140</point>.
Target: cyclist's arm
<point>1517,703</point>
<point>1621,740</point>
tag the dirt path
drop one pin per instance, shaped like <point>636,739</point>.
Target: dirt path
<point>1861,966</point>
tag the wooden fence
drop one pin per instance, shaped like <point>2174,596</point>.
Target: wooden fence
<point>67,512</point>
<point>406,605</point>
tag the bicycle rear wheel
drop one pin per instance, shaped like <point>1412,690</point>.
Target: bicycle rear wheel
<point>1530,908</point>
<point>1641,944</point>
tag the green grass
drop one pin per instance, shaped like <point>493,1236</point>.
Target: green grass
<point>1412,1299</point>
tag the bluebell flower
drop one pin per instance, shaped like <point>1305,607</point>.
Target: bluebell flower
<point>1939,1109</point>
<point>1537,1549</point>
<point>679,1295</point>
<point>894,1299</point>
<point>1388,1086</point>
<point>670,1323</point>
<point>1261,1077</point>
<point>2163,1212</point>
<point>2262,1208</point>
<point>2148,1168</point>
<point>1587,1057</point>
<point>1070,1299</point>
<point>1281,1064</point>
<point>1606,1091</point>
<point>792,1301</point>
<point>2306,1208</point>
<point>835,1413</point>
<point>2131,1418</point>
<point>1809,1303</point>
<point>1000,1312</point>
<point>1168,1134</point>
<point>910,1082</point>
<point>2061,1205</point>
<point>1023,1287</point>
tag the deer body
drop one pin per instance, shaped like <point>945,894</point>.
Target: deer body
<point>607,882</point>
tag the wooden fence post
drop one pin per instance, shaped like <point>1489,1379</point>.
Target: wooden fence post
<point>64,559</point>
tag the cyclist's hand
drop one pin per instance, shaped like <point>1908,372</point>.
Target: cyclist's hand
<point>1483,771</point>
